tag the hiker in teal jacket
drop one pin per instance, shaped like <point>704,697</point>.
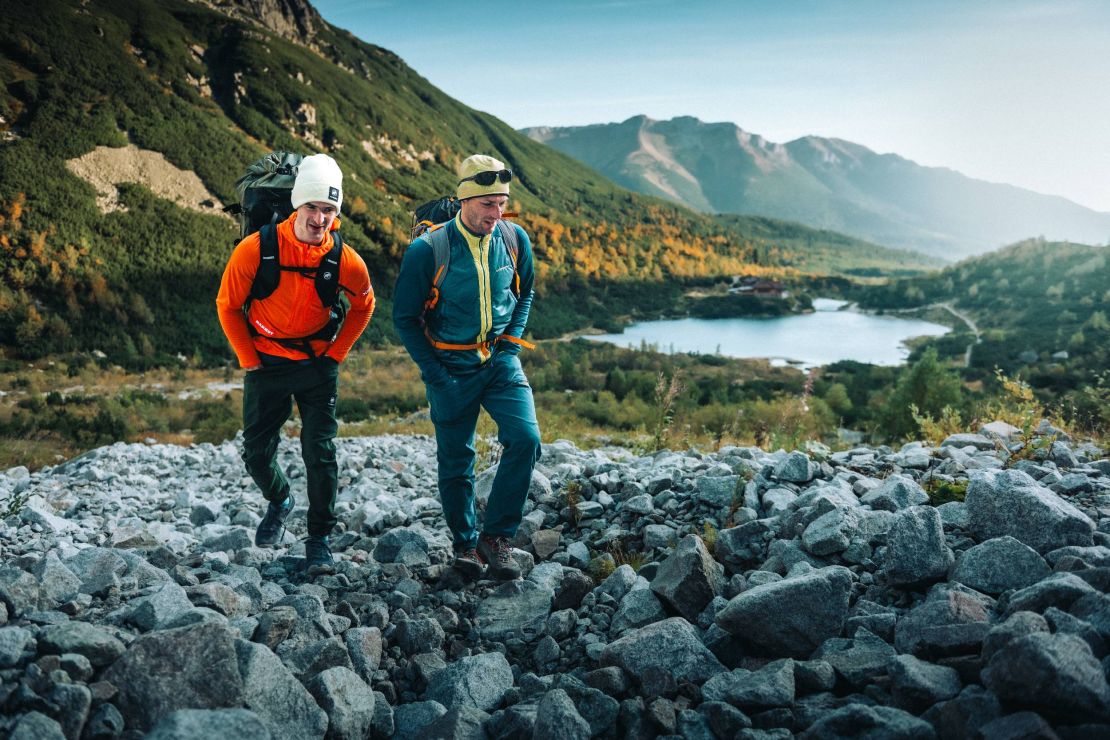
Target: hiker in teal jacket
<point>464,332</point>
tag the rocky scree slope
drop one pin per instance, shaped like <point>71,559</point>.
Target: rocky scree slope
<point>778,594</point>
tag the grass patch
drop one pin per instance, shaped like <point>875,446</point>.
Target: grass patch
<point>942,492</point>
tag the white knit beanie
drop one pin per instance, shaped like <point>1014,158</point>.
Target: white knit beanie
<point>318,179</point>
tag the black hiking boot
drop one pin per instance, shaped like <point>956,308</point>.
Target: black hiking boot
<point>317,555</point>
<point>272,527</point>
<point>499,554</point>
<point>469,563</point>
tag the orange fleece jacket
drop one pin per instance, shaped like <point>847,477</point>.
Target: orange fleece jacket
<point>294,309</point>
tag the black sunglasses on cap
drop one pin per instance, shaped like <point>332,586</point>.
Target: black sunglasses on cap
<point>487,178</point>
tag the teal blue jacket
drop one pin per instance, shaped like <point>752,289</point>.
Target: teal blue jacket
<point>477,303</point>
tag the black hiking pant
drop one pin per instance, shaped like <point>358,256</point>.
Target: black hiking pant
<point>268,395</point>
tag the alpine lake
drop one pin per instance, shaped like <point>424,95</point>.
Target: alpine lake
<point>832,332</point>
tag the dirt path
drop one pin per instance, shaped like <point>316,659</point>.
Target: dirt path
<point>955,312</point>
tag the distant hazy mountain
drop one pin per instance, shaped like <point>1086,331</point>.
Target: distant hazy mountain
<point>825,183</point>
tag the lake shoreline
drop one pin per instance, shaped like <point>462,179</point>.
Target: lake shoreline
<point>833,331</point>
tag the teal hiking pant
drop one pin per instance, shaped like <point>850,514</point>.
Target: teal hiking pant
<point>501,388</point>
<point>268,395</point>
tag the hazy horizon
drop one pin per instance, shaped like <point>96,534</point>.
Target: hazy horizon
<point>1008,92</point>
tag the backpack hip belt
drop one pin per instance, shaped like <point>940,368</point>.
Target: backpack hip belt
<point>486,345</point>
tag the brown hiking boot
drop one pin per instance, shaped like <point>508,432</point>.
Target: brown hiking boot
<point>499,554</point>
<point>469,563</point>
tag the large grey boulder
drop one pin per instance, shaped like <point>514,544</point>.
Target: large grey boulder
<point>347,700</point>
<point>895,493</point>
<point>192,667</point>
<point>1060,590</point>
<point>478,681</point>
<point>795,468</point>
<point>558,719</point>
<point>57,583</point>
<point>364,645</point>
<point>917,685</point>
<point>15,643</point>
<point>769,687</point>
<point>19,591</point>
<point>160,608</point>
<point>637,609</point>
<point>422,635</point>
<point>671,645</point>
<point>859,660</point>
<point>743,544</point>
<point>857,721</point>
<point>69,704</point>
<point>281,701</point>
<point>514,609</point>
<point>917,554</point>
<point>95,643</point>
<point>306,660</point>
<point>410,721</point>
<point>596,707</point>
<point>1092,557</point>
<point>98,568</point>
<point>410,540</point>
<point>791,617</point>
<point>1094,609</point>
<point>1017,625</point>
<point>833,531</point>
<point>953,620</point>
<point>618,583</point>
<point>1010,502</point>
<point>205,724</point>
<point>718,491</point>
<point>689,579</point>
<point>36,726</point>
<point>964,439</point>
<point>1053,673</point>
<point>459,723</point>
<point>961,716</point>
<point>383,717</point>
<point>998,565</point>
<point>1021,725</point>
<point>219,597</point>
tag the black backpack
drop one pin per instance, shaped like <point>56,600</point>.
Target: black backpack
<point>265,199</point>
<point>432,213</point>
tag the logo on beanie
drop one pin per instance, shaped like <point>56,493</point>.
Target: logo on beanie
<point>333,194</point>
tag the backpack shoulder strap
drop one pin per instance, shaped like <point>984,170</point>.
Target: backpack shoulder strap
<point>327,273</point>
<point>440,242</point>
<point>268,275</point>
<point>508,234</point>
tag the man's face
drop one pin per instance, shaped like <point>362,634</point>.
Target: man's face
<point>314,220</point>
<point>481,214</point>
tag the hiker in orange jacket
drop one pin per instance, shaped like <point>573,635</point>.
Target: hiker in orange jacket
<point>285,343</point>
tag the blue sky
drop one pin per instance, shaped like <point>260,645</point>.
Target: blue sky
<point>1015,92</point>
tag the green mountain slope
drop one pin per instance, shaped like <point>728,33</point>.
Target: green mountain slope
<point>1042,309</point>
<point>214,86</point>
<point>825,183</point>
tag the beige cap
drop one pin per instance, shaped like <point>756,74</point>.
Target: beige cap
<point>473,165</point>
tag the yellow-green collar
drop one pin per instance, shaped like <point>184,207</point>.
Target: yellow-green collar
<point>474,240</point>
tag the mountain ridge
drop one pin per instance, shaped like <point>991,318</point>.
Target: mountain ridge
<point>822,182</point>
<point>212,90</point>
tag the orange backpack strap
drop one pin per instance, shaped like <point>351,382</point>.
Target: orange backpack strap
<point>440,242</point>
